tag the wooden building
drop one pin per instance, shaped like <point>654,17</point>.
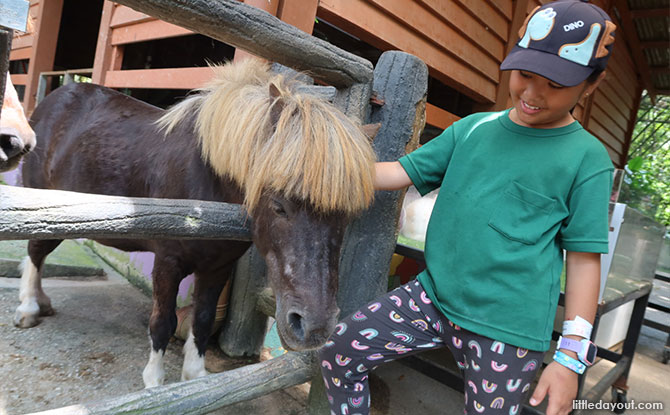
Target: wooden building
<point>462,41</point>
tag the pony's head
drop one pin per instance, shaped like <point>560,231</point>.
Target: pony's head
<point>305,169</point>
<point>16,136</point>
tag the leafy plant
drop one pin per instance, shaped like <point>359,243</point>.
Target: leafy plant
<point>647,182</point>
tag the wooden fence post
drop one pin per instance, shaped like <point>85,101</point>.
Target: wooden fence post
<point>245,325</point>
<point>401,82</point>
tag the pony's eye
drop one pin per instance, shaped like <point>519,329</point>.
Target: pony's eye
<point>278,208</point>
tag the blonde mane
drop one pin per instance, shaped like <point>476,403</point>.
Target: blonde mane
<point>310,150</point>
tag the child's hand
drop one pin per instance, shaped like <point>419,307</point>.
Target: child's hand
<point>561,384</point>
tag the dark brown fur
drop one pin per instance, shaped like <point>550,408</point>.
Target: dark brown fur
<point>96,140</point>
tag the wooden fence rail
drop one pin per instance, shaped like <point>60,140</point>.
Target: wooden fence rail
<point>54,214</point>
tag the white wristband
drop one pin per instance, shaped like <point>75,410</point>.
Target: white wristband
<point>577,327</point>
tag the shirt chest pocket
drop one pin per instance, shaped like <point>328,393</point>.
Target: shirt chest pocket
<point>522,214</point>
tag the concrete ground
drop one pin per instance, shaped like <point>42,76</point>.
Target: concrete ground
<point>96,346</point>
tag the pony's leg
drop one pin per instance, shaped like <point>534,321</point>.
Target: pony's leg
<point>208,287</point>
<point>166,275</point>
<point>34,302</point>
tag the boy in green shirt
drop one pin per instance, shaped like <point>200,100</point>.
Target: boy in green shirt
<point>517,188</point>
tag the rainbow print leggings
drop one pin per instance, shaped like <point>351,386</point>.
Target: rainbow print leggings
<point>403,322</point>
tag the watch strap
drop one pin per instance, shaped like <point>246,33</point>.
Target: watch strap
<point>569,344</point>
<point>567,361</point>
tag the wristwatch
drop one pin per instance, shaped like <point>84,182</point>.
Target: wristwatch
<point>585,349</point>
<point>567,361</point>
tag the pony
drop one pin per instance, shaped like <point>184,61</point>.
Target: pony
<point>300,166</point>
<point>16,136</point>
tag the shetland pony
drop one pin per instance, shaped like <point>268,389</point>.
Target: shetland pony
<point>16,136</point>
<point>299,166</point>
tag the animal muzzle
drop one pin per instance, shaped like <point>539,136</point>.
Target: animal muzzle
<point>304,330</point>
<point>11,145</point>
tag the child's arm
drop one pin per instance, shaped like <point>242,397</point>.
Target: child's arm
<point>391,175</point>
<point>581,298</point>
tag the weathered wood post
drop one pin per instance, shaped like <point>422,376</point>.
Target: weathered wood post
<point>244,327</point>
<point>400,82</point>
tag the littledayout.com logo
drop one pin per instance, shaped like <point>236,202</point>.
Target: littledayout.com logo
<point>617,406</point>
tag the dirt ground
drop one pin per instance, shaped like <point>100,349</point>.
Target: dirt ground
<point>96,346</point>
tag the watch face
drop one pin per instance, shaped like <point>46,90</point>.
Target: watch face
<point>591,353</point>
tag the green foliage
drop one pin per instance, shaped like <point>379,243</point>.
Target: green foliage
<point>647,182</point>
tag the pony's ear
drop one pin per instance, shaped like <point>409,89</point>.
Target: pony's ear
<point>278,106</point>
<point>371,130</point>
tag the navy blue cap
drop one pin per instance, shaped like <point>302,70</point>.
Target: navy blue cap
<point>564,41</point>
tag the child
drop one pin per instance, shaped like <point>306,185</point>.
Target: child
<point>517,188</point>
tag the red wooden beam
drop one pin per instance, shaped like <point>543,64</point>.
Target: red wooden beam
<point>167,78</point>
<point>299,13</point>
<point>43,51</point>
<point>365,20</point>
<point>104,51</point>
<point>437,117</point>
<point>149,30</point>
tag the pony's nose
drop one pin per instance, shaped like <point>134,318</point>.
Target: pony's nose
<point>311,332</point>
<point>10,145</point>
<point>297,324</point>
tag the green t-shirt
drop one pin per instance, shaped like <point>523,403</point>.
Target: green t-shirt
<point>511,199</point>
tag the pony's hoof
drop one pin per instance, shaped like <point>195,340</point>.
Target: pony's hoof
<point>25,320</point>
<point>46,310</point>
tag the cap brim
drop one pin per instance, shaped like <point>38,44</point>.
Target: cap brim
<point>548,65</point>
